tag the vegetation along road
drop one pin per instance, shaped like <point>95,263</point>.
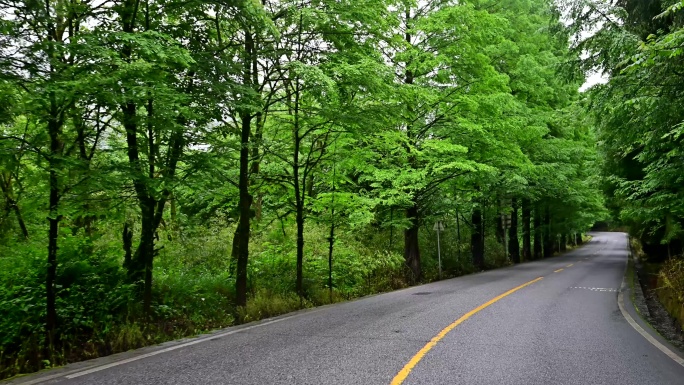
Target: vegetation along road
<point>554,321</point>
<point>248,170</point>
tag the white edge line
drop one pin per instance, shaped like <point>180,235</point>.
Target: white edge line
<point>197,341</point>
<point>621,304</point>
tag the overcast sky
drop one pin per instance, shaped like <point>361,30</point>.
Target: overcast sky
<point>593,80</point>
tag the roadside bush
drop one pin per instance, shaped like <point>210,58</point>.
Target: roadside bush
<point>100,313</point>
<point>672,276</point>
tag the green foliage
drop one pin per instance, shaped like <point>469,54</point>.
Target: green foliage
<point>145,132</point>
<point>672,275</point>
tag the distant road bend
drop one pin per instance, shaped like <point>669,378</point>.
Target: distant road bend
<point>554,321</point>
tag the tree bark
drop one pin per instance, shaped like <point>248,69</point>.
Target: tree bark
<point>127,238</point>
<point>476,239</point>
<point>527,244</point>
<point>299,180</point>
<point>513,243</point>
<point>499,225</point>
<point>242,233</point>
<point>299,214</point>
<point>331,245</point>
<point>537,253</point>
<point>243,230</point>
<point>411,246</point>
<point>548,238</point>
<point>20,220</point>
<point>54,218</point>
<point>564,242</point>
<point>411,239</point>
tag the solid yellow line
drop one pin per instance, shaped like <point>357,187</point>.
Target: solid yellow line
<point>406,370</point>
<point>570,265</point>
<point>558,271</point>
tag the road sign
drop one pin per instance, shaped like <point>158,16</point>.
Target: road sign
<point>439,226</point>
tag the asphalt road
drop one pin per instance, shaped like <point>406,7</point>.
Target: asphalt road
<point>563,329</point>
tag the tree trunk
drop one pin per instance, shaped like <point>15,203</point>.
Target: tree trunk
<point>513,243</point>
<point>537,254</point>
<point>299,184</point>
<point>20,220</point>
<point>127,238</point>
<point>411,246</point>
<point>56,147</point>
<point>300,249</point>
<point>11,203</point>
<point>527,244</point>
<point>242,232</point>
<point>476,239</point>
<point>579,239</point>
<point>144,254</point>
<point>458,233</point>
<point>331,245</point>
<point>564,242</point>
<point>548,238</point>
<point>499,225</point>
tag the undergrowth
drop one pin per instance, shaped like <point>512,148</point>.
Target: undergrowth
<point>194,288</point>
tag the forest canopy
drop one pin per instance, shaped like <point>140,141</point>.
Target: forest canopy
<point>168,167</point>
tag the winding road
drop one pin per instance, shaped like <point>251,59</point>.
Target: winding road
<point>555,321</point>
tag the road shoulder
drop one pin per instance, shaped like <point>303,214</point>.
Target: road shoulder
<point>629,290</point>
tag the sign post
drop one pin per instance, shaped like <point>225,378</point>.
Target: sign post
<point>439,226</point>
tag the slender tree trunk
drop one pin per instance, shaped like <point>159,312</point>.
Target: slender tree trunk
<point>300,239</point>
<point>11,203</point>
<point>331,239</point>
<point>391,240</point>
<point>145,254</point>
<point>138,266</point>
<point>564,242</point>
<point>527,244</point>
<point>548,238</point>
<point>476,238</point>
<point>499,223</point>
<point>411,246</point>
<point>20,220</point>
<point>513,243</point>
<point>411,239</point>
<point>331,244</point>
<point>127,239</point>
<point>537,254</point>
<point>579,239</point>
<point>243,230</point>
<point>299,182</point>
<point>56,147</point>
<point>242,233</point>
<point>260,121</point>
<point>458,233</point>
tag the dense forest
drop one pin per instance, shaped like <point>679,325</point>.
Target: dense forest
<point>168,167</point>
<point>638,117</point>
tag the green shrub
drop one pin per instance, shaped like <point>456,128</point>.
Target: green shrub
<point>672,276</point>
<point>265,304</point>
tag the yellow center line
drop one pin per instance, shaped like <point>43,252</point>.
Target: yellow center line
<point>570,265</point>
<point>406,370</point>
<point>558,271</point>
